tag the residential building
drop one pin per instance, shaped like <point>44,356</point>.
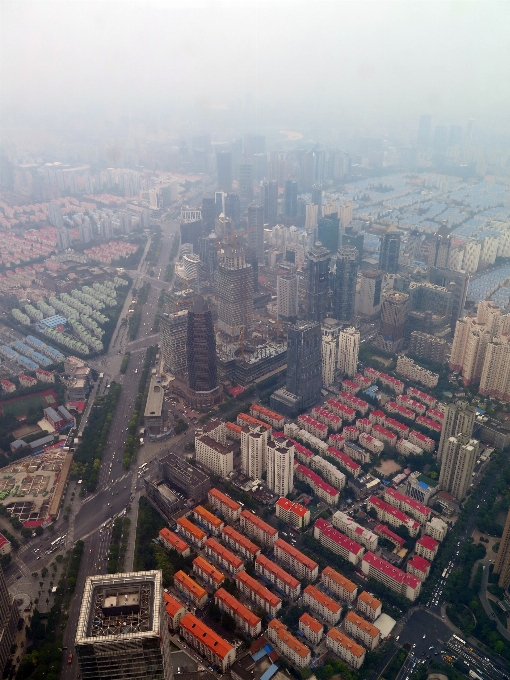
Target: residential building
<point>469,349</point>
<point>368,303</point>
<point>405,584</point>
<point>348,349</point>
<point>104,646</point>
<point>426,346</point>
<point>273,573</point>
<point>495,377</point>
<point>201,356</point>
<point>337,542</point>
<point>245,619</point>
<point>293,513</point>
<point>191,532</point>
<point>344,290</point>
<point>174,337</point>
<point>396,518</point>
<point>311,628</point>
<point>458,419</point>
<point>173,542</point>
<point>240,543</point>
<point>502,563</point>
<point>298,563</point>
<point>407,504</point>
<point>207,572</point>
<point>436,528</point>
<point>329,472</point>
<point>351,529</point>
<point>362,630</point>
<point>254,526</point>
<point>412,371</point>
<point>269,190</point>
<point>290,198</point>
<point>186,477</point>
<point>229,508</point>
<point>419,567</point>
<point>254,451</point>
<point>427,547</point>
<point>458,463</point>
<point>280,466</point>
<point>287,302</point>
<point>210,522</point>
<point>174,611</point>
<point>337,584</point>
<point>321,488</point>
<point>276,420</point>
<point>369,605</point>
<point>190,589</point>
<point>226,559</point>
<point>294,650</point>
<point>318,283</point>
<point>345,461</point>
<point>213,455</point>
<point>344,647</point>
<point>421,488</point>
<point>256,592</point>
<point>321,604</point>
<point>207,642</point>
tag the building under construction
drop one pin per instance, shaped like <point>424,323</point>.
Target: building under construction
<point>246,365</point>
<point>122,629</point>
<point>235,292</point>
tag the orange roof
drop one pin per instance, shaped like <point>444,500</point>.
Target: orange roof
<point>224,553</point>
<point>259,523</point>
<point>252,421</point>
<point>191,528</point>
<point>206,635</point>
<point>189,584</point>
<point>362,624</point>
<point>208,569</point>
<point>233,603</point>
<point>241,540</point>
<point>296,508</point>
<point>172,606</point>
<point>311,623</point>
<point>233,426</point>
<point>346,642</point>
<point>369,600</point>
<point>257,588</point>
<point>207,516</point>
<point>288,639</point>
<point>323,599</point>
<point>174,540</point>
<point>223,498</point>
<point>296,554</point>
<point>278,572</point>
<point>267,412</point>
<point>343,582</point>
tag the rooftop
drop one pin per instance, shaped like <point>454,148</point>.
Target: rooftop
<point>206,635</point>
<point>338,578</point>
<point>296,554</point>
<point>325,601</point>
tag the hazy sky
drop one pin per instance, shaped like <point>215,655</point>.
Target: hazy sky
<point>451,59</point>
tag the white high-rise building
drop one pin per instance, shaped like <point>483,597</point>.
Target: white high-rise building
<point>287,296</point>
<point>254,442</point>
<point>312,213</point>
<point>280,467</point>
<point>458,464</point>
<point>329,351</point>
<point>368,302</point>
<point>348,349</point>
<point>495,378</point>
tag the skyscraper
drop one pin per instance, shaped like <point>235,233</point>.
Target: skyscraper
<point>459,419</point>
<point>256,230</point>
<point>254,442</point>
<point>235,292</point>
<point>330,332</point>
<point>456,283</point>
<point>8,620</point>
<point>430,309</point>
<point>201,355</point>
<point>329,231</point>
<point>458,464</point>
<point>440,249</point>
<point>55,214</point>
<point>502,563</point>
<point>469,349</point>
<point>290,198</point>
<point>318,283</point>
<point>224,169</point>
<point>317,197</point>
<point>208,214</point>
<point>390,249</point>
<point>280,467</point>
<point>287,296</point>
<point>348,350</point>
<point>233,208</point>
<point>495,378</point>
<point>269,189</point>
<point>246,180</point>
<point>369,305</point>
<point>304,362</point>
<point>307,171</point>
<point>122,629</point>
<point>394,310</point>
<point>344,291</point>
<point>174,336</point>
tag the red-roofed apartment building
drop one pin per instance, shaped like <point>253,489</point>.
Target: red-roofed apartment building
<point>293,513</point>
<point>427,547</point>
<point>405,584</point>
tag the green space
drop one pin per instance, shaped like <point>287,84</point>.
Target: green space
<point>392,669</point>
<point>125,362</point>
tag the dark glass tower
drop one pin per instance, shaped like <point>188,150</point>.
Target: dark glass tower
<point>270,198</point>
<point>290,198</point>
<point>256,230</point>
<point>201,349</point>
<point>318,283</point>
<point>304,362</point>
<point>344,292</point>
<point>390,249</point>
<point>224,168</point>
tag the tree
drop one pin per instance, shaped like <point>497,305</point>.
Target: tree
<point>39,531</point>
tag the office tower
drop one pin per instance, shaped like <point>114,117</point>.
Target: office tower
<point>287,296</point>
<point>304,362</point>
<point>430,309</point>
<point>330,231</point>
<point>174,336</point>
<point>356,240</point>
<point>495,377</point>
<point>201,353</point>
<point>55,214</point>
<point>269,189</point>
<point>254,451</point>
<point>246,180</point>
<point>456,283</point>
<point>502,562</point>
<point>208,214</point>
<point>441,138</point>
<point>345,213</point>
<point>348,350</point>
<point>394,309</point>
<point>390,250</point>
<point>219,203</point>
<point>280,467</point>
<point>233,208</point>
<point>122,628</point>
<point>307,171</point>
<point>457,465</point>
<point>251,259</point>
<point>344,290</point>
<point>317,197</point>
<point>290,198</point>
<point>224,170</point>
<point>369,306</point>
<point>63,239</point>
<point>256,230</point>
<point>8,620</point>
<point>440,249</point>
<point>318,283</point>
<point>468,349</point>
<point>191,231</point>
<point>459,419</point>
<point>424,131</point>
<point>235,292</point>
<point>426,346</point>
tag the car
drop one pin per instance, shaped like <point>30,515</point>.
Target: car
<point>90,551</point>
<point>424,636</point>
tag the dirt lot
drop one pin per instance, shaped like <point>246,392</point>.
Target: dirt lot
<point>388,467</point>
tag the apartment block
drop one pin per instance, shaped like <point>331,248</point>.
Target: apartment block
<point>405,584</point>
<point>276,420</point>
<point>191,532</point>
<point>362,630</point>
<point>364,425</point>
<point>374,445</point>
<point>412,371</point>
<point>173,542</point>
<point>273,573</point>
<point>427,547</point>
<point>419,567</point>
<point>421,440</point>
<point>436,528</point>
<point>293,513</point>
<point>329,472</point>
<point>294,650</point>
<point>338,543</point>
<point>384,435</point>
<point>398,427</point>
<point>209,574</point>
<point>211,523</point>
<point>406,448</point>
<point>224,504</point>
<point>260,530</point>
<point>301,565</point>
<point>311,628</point>
<point>369,606</point>
<point>321,488</point>
<point>321,604</point>
<point>350,528</point>
<point>337,584</point>
<point>174,611</point>
<point>240,543</point>
<point>393,516</point>
<point>256,592</point>
<point>245,619</point>
<point>344,647</point>
<point>226,559</point>
<point>190,589</point>
<point>214,456</point>
<point>207,642</point>
<point>407,504</point>
<point>385,532</point>
<point>344,460</point>
<point>410,403</point>
<point>313,426</point>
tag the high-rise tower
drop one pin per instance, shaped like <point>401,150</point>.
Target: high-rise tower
<point>224,169</point>
<point>459,419</point>
<point>280,466</point>
<point>287,296</point>
<point>394,309</point>
<point>174,337</point>
<point>256,230</point>
<point>344,292</point>
<point>8,620</point>
<point>390,250</point>
<point>269,188</point>
<point>304,362</point>
<point>201,355</point>
<point>235,292</point>
<point>290,198</point>
<point>502,563</point>
<point>458,464</point>
<point>348,351</point>
<point>318,283</point>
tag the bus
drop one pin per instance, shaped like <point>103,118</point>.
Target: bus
<point>458,639</point>
<point>444,573</point>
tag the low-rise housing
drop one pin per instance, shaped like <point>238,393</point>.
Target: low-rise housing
<point>377,417</point>
<point>338,543</point>
<point>407,504</point>
<point>245,619</point>
<point>436,528</point>
<point>357,453</point>
<point>276,420</point>
<point>362,630</point>
<point>311,628</point>
<point>412,371</point>
<point>259,594</point>
<point>405,584</point>
<point>384,435</point>
<point>427,399</point>
<point>350,528</point>
<point>337,584</point>
<point>350,433</point>
<point>393,516</point>
<point>206,642</point>
<point>209,574</point>
<point>364,425</point>
<point>371,443</point>
<point>398,409</point>
<point>190,589</point>
<point>226,559</point>
<point>345,647</point>
<point>273,573</point>
<point>211,523</point>
<point>329,472</point>
<point>323,605</point>
<point>320,487</point>
<point>385,532</point>
<point>406,448</point>
<point>173,542</point>
<point>191,532</point>
<point>344,460</point>
<point>419,567</point>
<point>421,440</point>
<point>427,547</point>
<point>294,650</point>
<point>298,563</point>
<point>240,543</point>
<point>429,423</point>
<point>408,402</point>
<point>313,426</point>
<point>369,605</point>
<point>224,504</point>
<point>260,530</point>
<point>174,611</point>
<point>293,513</point>
<point>396,426</point>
